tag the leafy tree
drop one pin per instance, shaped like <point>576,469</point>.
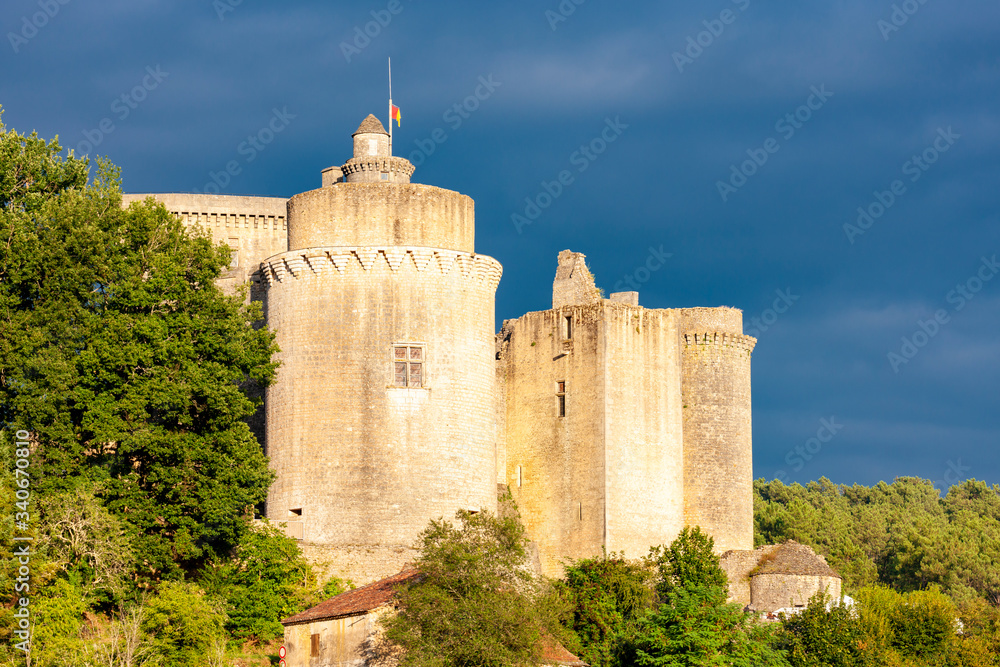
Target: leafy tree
<point>264,580</point>
<point>477,602</point>
<point>57,636</point>
<point>822,637</point>
<point>693,624</point>
<point>608,595</point>
<point>183,623</point>
<point>125,360</point>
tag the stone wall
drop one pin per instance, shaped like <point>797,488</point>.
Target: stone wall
<point>555,465</point>
<point>718,456</point>
<point>343,642</point>
<point>776,591</point>
<point>359,461</point>
<point>381,214</point>
<point>644,448</point>
<point>608,474</point>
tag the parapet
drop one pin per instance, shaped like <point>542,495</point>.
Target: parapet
<point>381,214</point>
<point>722,319</point>
<point>574,283</point>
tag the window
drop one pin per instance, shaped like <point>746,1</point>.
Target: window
<point>373,146</point>
<point>408,362</point>
<point>314,648</point>
<point>568,327</point>
<point>385,176</point>
<point>561,397</point>
<point>293,513</point>
<point>518,476</point>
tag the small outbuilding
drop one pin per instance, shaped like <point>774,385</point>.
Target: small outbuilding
<point>778,576</point>
<point>345,631</point>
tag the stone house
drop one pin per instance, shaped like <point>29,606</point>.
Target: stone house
<point>778,576</point>
<point>345,630</point>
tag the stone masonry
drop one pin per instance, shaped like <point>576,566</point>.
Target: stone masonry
<point>613,425</point>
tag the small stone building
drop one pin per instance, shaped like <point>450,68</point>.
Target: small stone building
<point>345,630</point>
<point>778,576</point>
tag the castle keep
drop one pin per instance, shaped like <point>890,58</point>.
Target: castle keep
<point>612,425</point>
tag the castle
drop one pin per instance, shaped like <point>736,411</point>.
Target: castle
<point>612,425</point>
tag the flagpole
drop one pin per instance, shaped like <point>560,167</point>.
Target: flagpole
<point>390,107</point>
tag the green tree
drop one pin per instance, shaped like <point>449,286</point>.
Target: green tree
<point>692,624</point>
<point>264,580</point>
<point>476,602</point>
<point>121,355</point>
<point>608,595</point>
<point>183,623</point>
<point>822,637</point>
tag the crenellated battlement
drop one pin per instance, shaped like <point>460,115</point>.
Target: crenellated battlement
<point>399,169</point>
<point>299,264</point>
<point>721,339</point>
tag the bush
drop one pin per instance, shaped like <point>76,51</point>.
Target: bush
<point>183,624</point>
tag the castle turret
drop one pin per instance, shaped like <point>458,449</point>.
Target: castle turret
<point>382,416</point>
<point>718,456</point>
<point>372,161</point>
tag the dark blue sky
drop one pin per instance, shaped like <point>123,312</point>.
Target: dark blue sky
<point>697,91</point>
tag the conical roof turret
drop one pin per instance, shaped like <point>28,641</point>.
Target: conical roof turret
<point>370,125</point>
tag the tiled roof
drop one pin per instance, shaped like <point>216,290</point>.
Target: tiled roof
<point>359,601</point>
<point>371,125</point>
<point>554,653</point>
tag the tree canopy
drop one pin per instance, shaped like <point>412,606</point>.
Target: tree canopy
<point>125,361</point>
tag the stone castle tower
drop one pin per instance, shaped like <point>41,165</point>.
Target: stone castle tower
<point>625,424</point>
<point>612,425</point>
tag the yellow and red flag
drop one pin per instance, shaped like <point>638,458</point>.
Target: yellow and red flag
<point>396,115</point>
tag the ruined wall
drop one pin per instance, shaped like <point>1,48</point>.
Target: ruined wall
<point>254,227</point>
<point>366,463</point>
<point>718,462</point>
<point>738,564</point>
<point>382,214</point>
<point>555,465</point>
<point>644,449</point>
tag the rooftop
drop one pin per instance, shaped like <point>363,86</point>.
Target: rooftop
<point>371,125</point>
<point>359,601</point>
<point>794,558</point>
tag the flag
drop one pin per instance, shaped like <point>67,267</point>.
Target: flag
<point>396,115</point>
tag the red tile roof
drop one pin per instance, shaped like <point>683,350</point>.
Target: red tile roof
<point>359,601</point>
<point>555,653</point>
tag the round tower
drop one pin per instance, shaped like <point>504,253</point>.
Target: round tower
<point>372,161</point>
<point>382,416</point>
<point>718,450</point>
